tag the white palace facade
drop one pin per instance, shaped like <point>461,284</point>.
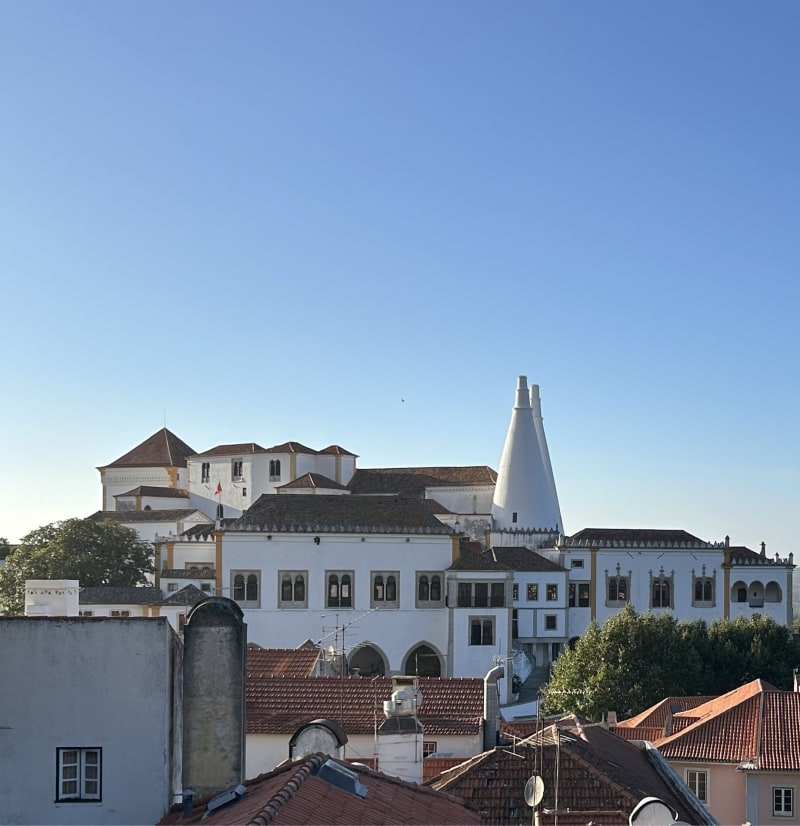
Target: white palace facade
<point>430,570</point>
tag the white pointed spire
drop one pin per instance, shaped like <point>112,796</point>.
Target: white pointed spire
<point>538,423</point>
<point>524,496</point>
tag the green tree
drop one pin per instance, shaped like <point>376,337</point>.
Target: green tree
<point>632,661</point>
<point>91,551</point>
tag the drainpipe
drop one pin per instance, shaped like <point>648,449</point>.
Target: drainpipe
<point>491,706</point>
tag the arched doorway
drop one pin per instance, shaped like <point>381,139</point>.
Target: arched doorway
<point>366,660</point>
<point>423,661</point>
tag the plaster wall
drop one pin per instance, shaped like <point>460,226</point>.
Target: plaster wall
<point>87,683</point>
<point>121,480</point>
<point>726,790</point>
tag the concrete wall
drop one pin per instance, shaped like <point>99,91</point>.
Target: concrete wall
<point>87,683</point>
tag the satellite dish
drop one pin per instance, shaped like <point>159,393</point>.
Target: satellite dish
<point>534,790</point>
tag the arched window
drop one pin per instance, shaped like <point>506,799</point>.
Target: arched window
<point>391,588</point>
<point>377,588</point>
<point>286,588</point>
<point>436,588</point>
<point>274,470</point>
<point>661,590</point>
<point>339,593</point>
<point>299,588</point>
<point>251,591</point>
<point>617,589</point>
<point>423,588</point>
<point>238,588</point>
<point>346,600</point>
<point>333,591</point>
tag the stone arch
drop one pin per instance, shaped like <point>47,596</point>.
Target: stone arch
<point>772,593</point>
<point>367,660</point>
<point>739,591</point>
<point>423,660</point>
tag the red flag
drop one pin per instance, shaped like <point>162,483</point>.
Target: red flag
<point>218,490</point>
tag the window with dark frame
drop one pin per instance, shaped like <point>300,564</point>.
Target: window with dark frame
<point>205,472</point>
<point>237,470</point>
<point>532,592</point>
<point>481,631</point>
<point>339,591</point>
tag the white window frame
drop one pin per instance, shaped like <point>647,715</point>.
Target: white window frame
<point>374,600</point>
<point>74,765</point>
<point>429,747</point>
<point>245,602</point>
<point>293,603</point>
<point>784,792</point>
<point>692,776</point>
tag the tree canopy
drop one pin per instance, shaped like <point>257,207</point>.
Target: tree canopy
<point>634,660</point>
<point>91,551</point>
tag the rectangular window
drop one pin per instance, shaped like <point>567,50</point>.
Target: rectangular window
<point>579,594</point>
<point>514,624</point>
<point>697,781</point>
<point>293,589</point>
<point>783,801</point>
<point>205,586</point>
<point>79,774</point>
<point>515,592</point>
<point>339,589</point>
<point>172,586</point>
<point>85,613</point>
<point>552,591</point>
<point>532,592</point>
<point>237,470</point>
<point>498,594</point>
<point>576,563</point>
<point>429,747</point>
<point>429,589</point>
<point>246,588</point>
<point>385,589</point>
<point>481,630</point>
<point>550,622</point>
<point>205,472</point>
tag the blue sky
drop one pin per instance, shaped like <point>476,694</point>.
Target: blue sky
<point>270,221</point>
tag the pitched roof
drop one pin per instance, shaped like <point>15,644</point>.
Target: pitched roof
<point>412,481</point>
<point>313,480</point>
<point>470,561</point>
<point>152,490</point>
<point>523,559</point>
<point>741,555</point>
<point>601,778</point>
<point>239,449</point>
<point>162,449</point>
<point>119,595</point>
<point>188,595</point>
<point>335,450</point>
<point>296,794</point>
<point>336,513</point>
<point>634,538</point>
<point>156,515</point>
<point>291,447</point>
<point>279,705</point>
<point>657,714</point>
<point>283,662</point>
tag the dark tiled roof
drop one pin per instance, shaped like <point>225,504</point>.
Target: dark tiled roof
<point>313,480</point>
<point>469,561</point>
<point>162,449</point>
<point>189,595</point>
<point>291,447</point>
<point>280,662</point>
<point>241,449</point>
<point>293,795</point>
<point>633,537</point>
<point>119,595</point>
<point>412,481</point>
<point>740,555</point>
<point>335,450</point>
<point>318,513</point>
<point>279,705</point>
<point>173,515</point>
<point>523,559</point>
<point>601,778</point>
<point>151,490</point>
<point>201,531</point>
<point>186,573</point>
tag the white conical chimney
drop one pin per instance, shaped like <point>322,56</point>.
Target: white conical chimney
<point>538,423</point>
<point>522,498</point>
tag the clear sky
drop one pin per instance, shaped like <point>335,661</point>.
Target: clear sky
<point>358,222</point>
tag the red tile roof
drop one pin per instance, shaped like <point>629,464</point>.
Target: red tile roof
<point>634,538</point>
<point>279,705</point>
<point>313,480</point>
<point>151,490</point>
<point>412,481</point>
<point>280,662</point>
<point>162,449</point>
<point>291,447</point>
<point>295,795</point>
<point>335,450</point>
<point>657,714</point>
<point>240,449</point>
<point>523,559</point>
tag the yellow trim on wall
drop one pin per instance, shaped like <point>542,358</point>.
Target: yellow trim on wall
<point>156,610</point>
<point>170,555</point>
<point>456,549</point>
<point>173,477</point>
<point>292,467</point>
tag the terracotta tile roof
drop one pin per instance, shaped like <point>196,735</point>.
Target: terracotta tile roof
<point>313,480</point>
<point>469,561</point>
<point>188,573</point>
<point>241,449</point>
<point>600,778</point>
<point>656,715</point>
<point>162,449</point>
<point>649,733</point>
<point>335,450</point>
<point>412,481</point>
<point>283,662</point>
<point>295,794</point>
<point>151,490</point>
<point>780,742</point>
<point>317,513</point>
<point>188,595</point>
<point>119,595</point>
<point>523,559</point>
<point>291,447</point>
<point>279,705</point>
<point>171,515</point>
<point>634,537</point>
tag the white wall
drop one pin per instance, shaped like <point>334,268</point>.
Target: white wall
<point>121,480</point>
<point>86,683</point>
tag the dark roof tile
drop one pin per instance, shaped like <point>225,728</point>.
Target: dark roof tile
<point>523,559</point>
<point>162,449</point>
<point>119,595</point>
<point>412,481</point>
<point>312,480</point>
